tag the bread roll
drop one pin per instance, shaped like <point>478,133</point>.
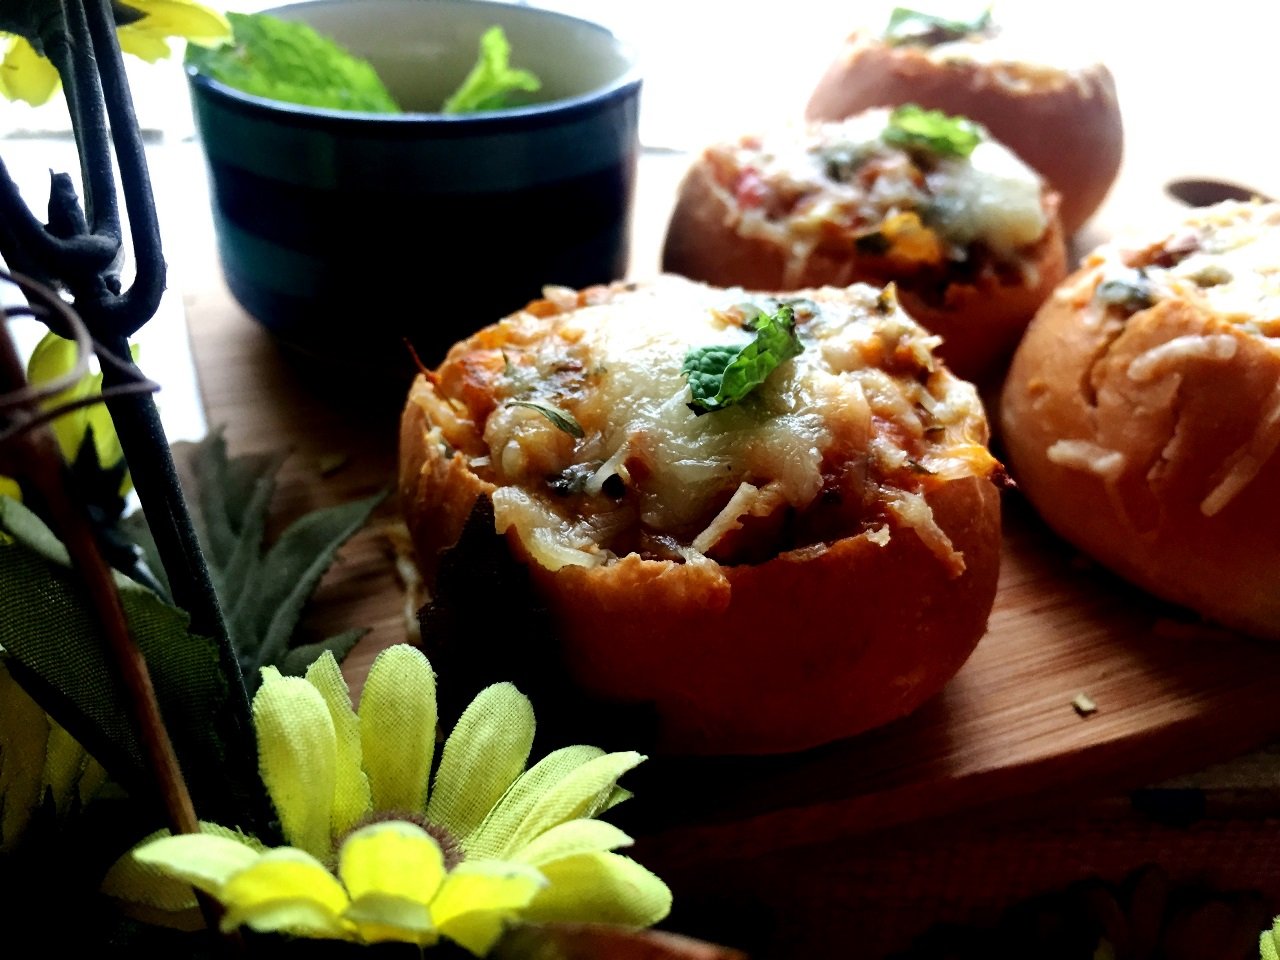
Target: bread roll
<point>1061,118</point>
<point>808,562</point>
<point>1142,413</point>
<point>971,239</point>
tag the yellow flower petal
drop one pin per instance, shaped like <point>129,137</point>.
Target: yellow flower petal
<point>485,753</point>
<point>286,891</point>
<point>580,794</point>
<point>494,835</point>
<point>396,858</point>
<point>479,896</point>
<point>55,357</point>
<point>570,839</point>
<point>152,885</point>
<point>25,75</point>
<point>63,763</point>
<point>1268,942</point>
<point>180,18</point>
<point>24,735</point>
<point>600,888</point>
<point>392,871</point>
<point>297,757</point>
<point>205,861</point>
<point>351,798</point>
<point>9,488</point>
<point>398,729</point>
<point>143,44</point>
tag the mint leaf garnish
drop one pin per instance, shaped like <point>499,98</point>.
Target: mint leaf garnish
<point>907,26</point>
<point>286,60</point>
<point>491,81</point>
<point>721,376</point>
<point>931,131</point>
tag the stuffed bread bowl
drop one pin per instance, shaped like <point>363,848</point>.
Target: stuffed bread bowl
<point>1062,119</point>
<point>799,559</point>
<point>1142,413</point>
<point>969,235</point>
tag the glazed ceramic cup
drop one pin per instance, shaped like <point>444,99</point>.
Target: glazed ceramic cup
<point>347,233</point>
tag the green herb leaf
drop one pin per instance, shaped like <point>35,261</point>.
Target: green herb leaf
<point>1130,291</point>
<point>907,26</point>
<point>931,131</point>
<point>560,418</point>
<point>289,61</point>
<point>491,81</point>
<point>721,376</point>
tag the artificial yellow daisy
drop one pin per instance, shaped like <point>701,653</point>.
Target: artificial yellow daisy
<point>39,761</point>
<point>28,76</point>
<point>1269,944</point>
<point>378,851</point>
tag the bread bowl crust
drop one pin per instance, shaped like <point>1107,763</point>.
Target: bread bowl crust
<point>1179,433</point>
<point>1069,130</point>
<point>815,644</point>
<point>980,323</point>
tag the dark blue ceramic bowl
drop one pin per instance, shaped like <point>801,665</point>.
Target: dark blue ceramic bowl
<point>345,233</point>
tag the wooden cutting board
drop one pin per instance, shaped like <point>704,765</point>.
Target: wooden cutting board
<point>1171,696</point>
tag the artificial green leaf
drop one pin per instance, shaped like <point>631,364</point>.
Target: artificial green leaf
<point>561,419</point>
<point>298,659</point>
<point>262,594</point>
<point>912,27</point>
<point>287,60</point>
<point>293,567</point>
<point>931,131</point>
<point>52,633</point>
<point>721,376</point>
<point>491,81</point>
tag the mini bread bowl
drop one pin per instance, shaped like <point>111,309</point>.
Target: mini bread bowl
<point>810,563</point>
<point>1062,119</point>
<point>972,241</point>
<point>1141,415</point>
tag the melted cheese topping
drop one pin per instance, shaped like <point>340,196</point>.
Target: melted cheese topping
<point>842,439</point>
<point>1226,257</point>
<point>837,183</point>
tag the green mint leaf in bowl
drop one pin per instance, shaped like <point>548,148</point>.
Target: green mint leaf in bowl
<point>491,81</point>
<point>931,131</point>
<point>721,376</point>
<point>287,60</point>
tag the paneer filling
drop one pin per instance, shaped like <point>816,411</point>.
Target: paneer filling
<point>578,412</point>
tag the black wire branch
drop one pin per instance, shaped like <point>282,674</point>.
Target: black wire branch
<point>78,250</point>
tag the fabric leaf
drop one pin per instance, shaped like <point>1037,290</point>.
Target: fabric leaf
<point>23,738</point>
<point>54,636</point>
<point>296,662</point>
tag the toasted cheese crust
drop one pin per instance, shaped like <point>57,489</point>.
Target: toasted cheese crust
<point>832,538</point>
<point>1142,413</point>
<point>842,439</point>
<point>973,243</point>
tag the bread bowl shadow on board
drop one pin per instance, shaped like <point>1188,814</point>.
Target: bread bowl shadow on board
<point>1141,416</point>
<point>1062,117</point>
<point>815,556</point>
<point>969,235</point>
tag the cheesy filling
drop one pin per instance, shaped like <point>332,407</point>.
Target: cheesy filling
<point>585,428</point>
<point>840,185</point>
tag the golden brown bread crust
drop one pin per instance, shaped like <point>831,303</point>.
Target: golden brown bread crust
<point>818,643</point>
<point>1180,434</point>
<point>1070,132</point>
<point>980,322</point>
